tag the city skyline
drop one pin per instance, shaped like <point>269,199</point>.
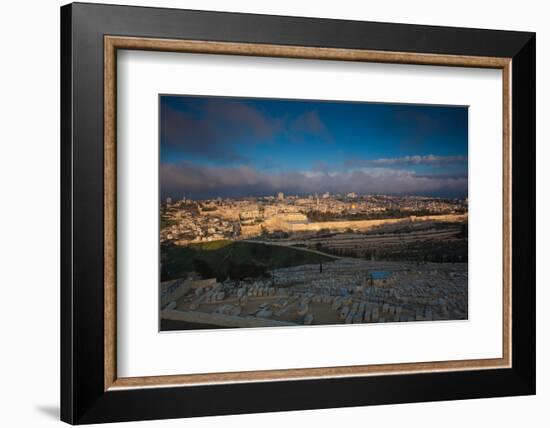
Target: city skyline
<point>235,147</point>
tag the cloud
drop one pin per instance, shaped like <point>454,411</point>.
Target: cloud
<point>444,176</point>
<point>306,125</point>
<point>210,129</point>
<point>240,117</point>
<point>205,132</point>
<point>320,166</point>
<point>420,125</point>
<point>420,119</point>
<point>431,160</point>
<point>191,180</point>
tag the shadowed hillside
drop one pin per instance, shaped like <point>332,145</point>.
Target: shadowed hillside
<point>235,260</point>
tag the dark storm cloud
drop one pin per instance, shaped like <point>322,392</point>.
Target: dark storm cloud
<point>238,117</point>
<point>431,160</point>
<point>199,182</point>
<point>206,135</point>
<point>419,125</point>
<point>306,125</point>
<point>206,131</point>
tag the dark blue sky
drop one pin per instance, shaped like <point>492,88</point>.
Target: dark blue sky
<point>212,146</point>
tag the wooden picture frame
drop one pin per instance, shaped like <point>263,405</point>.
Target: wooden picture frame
<point>91,390</point>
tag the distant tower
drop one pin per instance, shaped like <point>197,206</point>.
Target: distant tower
<point>281,196</point>
<point>168,200</point>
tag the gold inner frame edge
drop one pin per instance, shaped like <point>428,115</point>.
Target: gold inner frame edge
<point>113,43</point>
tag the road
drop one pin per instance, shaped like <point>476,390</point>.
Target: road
<point>292,244</point>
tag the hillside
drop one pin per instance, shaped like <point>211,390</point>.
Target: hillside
<point>229,259</point>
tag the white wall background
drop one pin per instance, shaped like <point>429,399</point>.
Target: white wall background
<point>29,214</point>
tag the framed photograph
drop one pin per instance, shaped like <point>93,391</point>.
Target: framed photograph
<point>266,213</point>
<point>274,212</point>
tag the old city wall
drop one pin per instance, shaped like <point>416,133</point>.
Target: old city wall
<point>358,224</point>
